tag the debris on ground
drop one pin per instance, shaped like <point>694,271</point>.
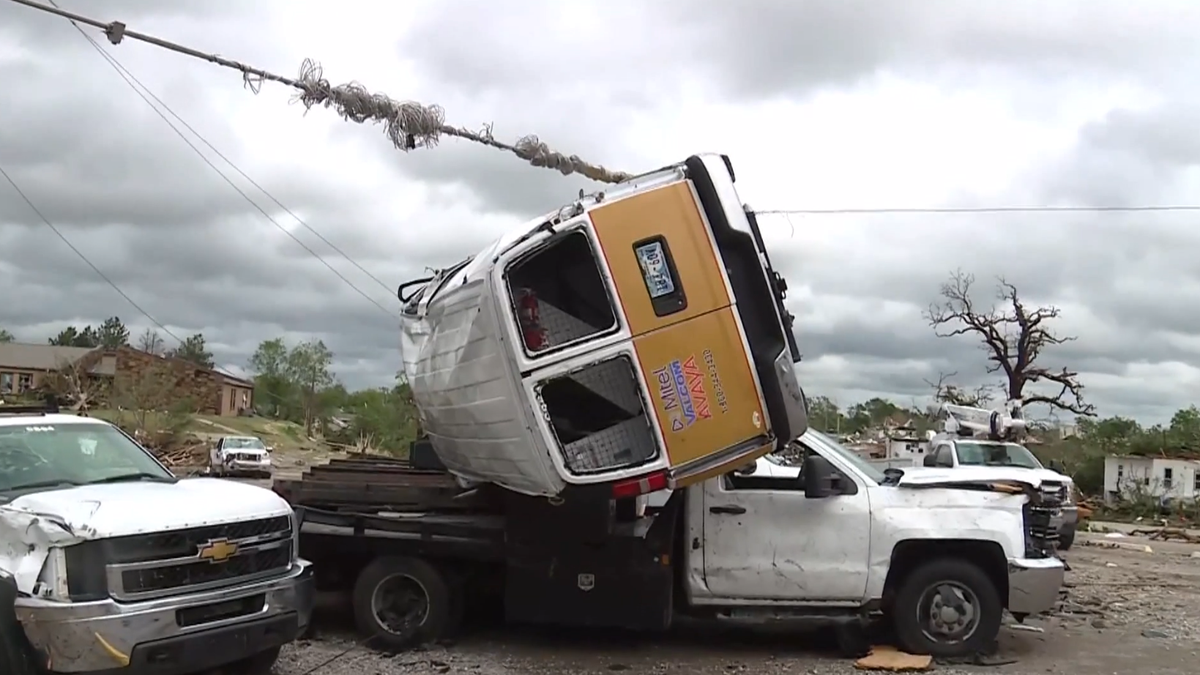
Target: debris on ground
<point>1166,534</point>
<point>883,657</point>
<point>1128,546</point>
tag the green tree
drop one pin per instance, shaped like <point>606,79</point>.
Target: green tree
<point>824,415</point>
<point>1110,435</point>
<point>194,349</point>
<point>274,392</point>
<point>112,333</point>
<point>74,337</point>
<point>6,336</point>
<point>307,367</point>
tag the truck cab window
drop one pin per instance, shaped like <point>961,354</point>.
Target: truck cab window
<point>598,418</point>
<point>945,456</point>
<point>559,295</point>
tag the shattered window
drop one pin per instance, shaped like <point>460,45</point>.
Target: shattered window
<point>48,456</point>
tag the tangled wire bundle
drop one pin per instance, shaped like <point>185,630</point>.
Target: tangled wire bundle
<point>409,125</point>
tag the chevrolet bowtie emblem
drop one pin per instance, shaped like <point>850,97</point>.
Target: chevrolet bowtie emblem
<point>218,550</point>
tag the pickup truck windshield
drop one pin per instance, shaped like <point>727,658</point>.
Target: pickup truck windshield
<point>983,453</point>
<point>233,443</point>
<point>830,445</point>
<point>47,456</point>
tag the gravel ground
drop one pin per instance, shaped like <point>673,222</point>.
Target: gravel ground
<point>1125,611</point>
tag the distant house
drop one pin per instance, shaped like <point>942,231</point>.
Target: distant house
<point>26,366</point>
<point>1126,475</point>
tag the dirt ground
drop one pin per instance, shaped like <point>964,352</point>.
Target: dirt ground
<point>1125,611</point>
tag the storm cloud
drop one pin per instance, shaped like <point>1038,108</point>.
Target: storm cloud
<point>826,104</point>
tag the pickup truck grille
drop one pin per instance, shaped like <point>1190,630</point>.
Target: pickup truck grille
<point>1043,516</point>
<point>166,563</point>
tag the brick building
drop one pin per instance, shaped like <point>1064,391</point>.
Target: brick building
<point>126,376</point>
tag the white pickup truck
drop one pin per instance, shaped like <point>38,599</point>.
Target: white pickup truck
<point>947,452</point>
<point>110,564</point>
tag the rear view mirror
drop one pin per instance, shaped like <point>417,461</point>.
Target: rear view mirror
<point>929,461</point>
<point>818,477</point>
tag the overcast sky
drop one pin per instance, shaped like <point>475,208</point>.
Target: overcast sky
<point>820,104</point>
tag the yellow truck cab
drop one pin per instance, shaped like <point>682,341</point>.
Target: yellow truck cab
<point>634,339</point>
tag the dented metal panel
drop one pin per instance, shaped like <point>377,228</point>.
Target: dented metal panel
<point>464,383</point>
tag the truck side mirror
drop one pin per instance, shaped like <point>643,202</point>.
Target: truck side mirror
<point>818,477</point>
<point>929,460</point>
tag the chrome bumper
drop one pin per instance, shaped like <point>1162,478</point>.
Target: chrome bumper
<point>1033,584</point>
<point>106,635</point>
<point>247,465</point>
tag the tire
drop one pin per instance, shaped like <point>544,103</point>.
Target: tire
<point>15,654</point>
<point>417,580</point>
<point>911,612</point>
<point>1066,537</point>
<point>259,664</point>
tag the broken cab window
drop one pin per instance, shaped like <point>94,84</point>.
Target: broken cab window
<point>598,418</point>
<point>559,295</point>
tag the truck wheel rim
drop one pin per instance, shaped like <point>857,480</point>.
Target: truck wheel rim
<point>400,604</point>
<point>948,612</point>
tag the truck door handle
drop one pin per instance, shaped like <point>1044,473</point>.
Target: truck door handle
<point>731,510</point>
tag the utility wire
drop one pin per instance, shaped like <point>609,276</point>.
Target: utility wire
<point>121,69</point>
<point>408,124</point>
<point>412,125</point>
<point>980,209</point>
<point>235,186</point>
<point>133,303</point>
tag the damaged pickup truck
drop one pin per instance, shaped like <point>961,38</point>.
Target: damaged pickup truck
<point>110,564</point>
<point>940,554</point>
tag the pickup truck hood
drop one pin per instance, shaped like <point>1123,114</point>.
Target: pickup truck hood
<point>929,476</point>
<point>33,524</point>
<point>120,509</point>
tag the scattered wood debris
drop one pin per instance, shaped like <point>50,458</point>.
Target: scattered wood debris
<point>1166,534</point>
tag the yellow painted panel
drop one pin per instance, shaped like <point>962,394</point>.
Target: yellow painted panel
<point>702,386</point>
<point>672,213</point>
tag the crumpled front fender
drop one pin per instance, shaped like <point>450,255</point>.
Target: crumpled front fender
<point>26,539</point>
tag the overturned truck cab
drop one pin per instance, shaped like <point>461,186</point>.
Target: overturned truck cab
<point>633,340</point>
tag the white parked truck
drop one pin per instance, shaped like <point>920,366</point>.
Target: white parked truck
<point>989,440</point>
<point>110,564</point>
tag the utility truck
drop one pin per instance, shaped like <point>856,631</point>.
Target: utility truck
<point>990,440</point>
<point>110,564</point>
<point>633,342</point>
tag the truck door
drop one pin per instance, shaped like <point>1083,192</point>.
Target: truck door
<point>682,320</point>
<point>763,540</point>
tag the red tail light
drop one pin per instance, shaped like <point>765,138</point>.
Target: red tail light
<point>640,486</point>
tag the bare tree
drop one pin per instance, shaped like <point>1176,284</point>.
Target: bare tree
<point>1014,337</point>
<point>945,391</point>
<point>151,342</point>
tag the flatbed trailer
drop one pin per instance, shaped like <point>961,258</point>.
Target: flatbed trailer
<point>392,533</point>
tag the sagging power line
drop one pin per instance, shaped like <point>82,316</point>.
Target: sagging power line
<point>979,209</point>
<point>100,273</point>
<point>409,125</point>
<point>146,94</point>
